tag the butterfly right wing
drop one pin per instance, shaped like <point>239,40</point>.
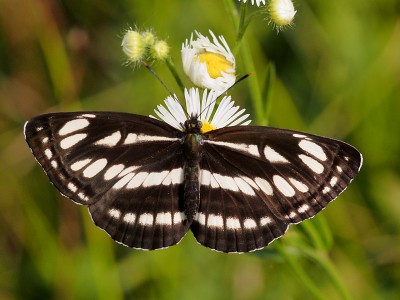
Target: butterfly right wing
<point>255,181</point>
<point>126,168</point>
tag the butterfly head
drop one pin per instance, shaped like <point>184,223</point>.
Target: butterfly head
<point>193,125</point>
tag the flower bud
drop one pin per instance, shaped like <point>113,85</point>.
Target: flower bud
<point>281,12</point>
<point>133,46</point>
<point>159,50</point>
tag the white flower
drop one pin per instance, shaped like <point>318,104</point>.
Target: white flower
<point>257,1</point>
<point>281,12</point>
<point>209,64</point>
<point>225,115</point>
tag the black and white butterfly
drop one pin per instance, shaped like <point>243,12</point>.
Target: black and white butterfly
<point>147,182</point>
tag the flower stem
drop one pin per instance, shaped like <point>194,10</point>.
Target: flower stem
<point>241,25</point>
<point>175,74</point>
<point>241,28</point>
<point>323,260</point>
<point>298,270</point>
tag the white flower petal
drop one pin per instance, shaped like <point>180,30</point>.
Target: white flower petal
<point>226,114</point>
<point>257,1</point>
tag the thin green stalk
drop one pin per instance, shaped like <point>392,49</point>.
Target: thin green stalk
<point>102,257</point>
<point>248,63</point>
<point>241,28</point>
<point>299,272</point>
<point>330,269</point>
<point>171,67</point>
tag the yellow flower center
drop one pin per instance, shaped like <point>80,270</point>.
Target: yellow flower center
<point>216,63</point>
<point>206,127</point>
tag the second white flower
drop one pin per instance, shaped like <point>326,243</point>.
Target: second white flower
<point>209,64</point>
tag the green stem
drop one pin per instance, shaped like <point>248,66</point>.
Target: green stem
<point>329,268</point>
<point>172,69</point>
<point>241,29</point>
<point>248,63</point>
<point>299,272</point>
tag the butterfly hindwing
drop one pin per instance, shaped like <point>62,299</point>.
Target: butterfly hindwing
<point>126,168</point>
<point>265,179</point>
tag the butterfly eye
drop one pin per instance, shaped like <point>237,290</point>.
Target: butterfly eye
<point>199,124</point>
<point>186,124</point>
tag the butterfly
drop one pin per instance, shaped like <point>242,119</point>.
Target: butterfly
<point>147,181</point>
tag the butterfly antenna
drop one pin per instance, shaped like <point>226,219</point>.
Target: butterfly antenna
<point>239,80</point>
<point>236,82</point>
<point>158,77</point>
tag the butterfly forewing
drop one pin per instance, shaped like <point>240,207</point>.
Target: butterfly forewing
<point>255,181</point>
<point>127,168</point>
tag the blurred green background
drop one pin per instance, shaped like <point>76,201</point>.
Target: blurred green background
<point>337,74</point>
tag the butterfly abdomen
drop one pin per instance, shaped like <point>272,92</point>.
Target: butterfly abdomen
<point>192,146</point>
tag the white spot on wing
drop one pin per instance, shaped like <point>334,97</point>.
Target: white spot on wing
<point>208,179</point>
<point>264,186</point>
<point>115,213</point>
<point>265,221</point>
<point>127,171</point>
<point>299,185</point>
<point>205,177</point>
<point>72,140</point>
<point>54,164</point>
<point>200,218</point>
<point>249,224</point>
<point>48,153</point>
<point>175,176</point>
<point>313,149</point>
<point>95,168</point>
<point>233,223</point>
<point>123,181</point>
<point>134,138</point>
<point>179,217</point>
<point>89,115</point>
<point>333,181</point>
<point>80,164</point>
<point>129,218</point>
<point>45,140</point>
<point>110,141</point>
<point>83,197</point>
<point>244,186</point>
<point>164,218</point>
<point>274,156</point>
<point>226,182</point>
<point>137,180</point>
<point>155,178</point>
<point>215,221</point>
<point>146,219</point>
<point>299,135</point>
<point>251,182</point>
<point>250,149</point>
<point>73,125</point>
<point>113,171</point>
<point>312,164</point>
<point>326,189</point>
<point>72,187</point>
<point>283,186</point>
<point>340,170</point>
<point>303,208</point>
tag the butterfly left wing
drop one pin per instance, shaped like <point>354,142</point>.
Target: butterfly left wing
<point>126,168</point>
<point>255,181</point>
